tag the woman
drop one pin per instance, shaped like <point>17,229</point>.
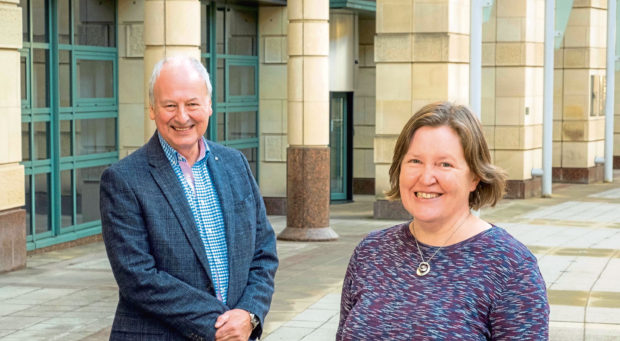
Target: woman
<point>446,275</point>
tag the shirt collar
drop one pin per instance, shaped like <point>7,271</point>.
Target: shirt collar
<point>176,157</point>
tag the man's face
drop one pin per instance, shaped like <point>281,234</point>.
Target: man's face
<point>181,108</point>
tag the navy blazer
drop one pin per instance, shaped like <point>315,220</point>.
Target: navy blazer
<point>165,285</point>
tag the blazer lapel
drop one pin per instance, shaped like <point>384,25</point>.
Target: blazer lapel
<point>219,177</point>
<point>169,184</point>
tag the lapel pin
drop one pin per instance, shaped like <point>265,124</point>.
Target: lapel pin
<point>217,158</point>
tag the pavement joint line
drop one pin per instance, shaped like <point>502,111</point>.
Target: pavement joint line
<point>585,311</point>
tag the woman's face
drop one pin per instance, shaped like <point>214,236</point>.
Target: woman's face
<point>435,180</point>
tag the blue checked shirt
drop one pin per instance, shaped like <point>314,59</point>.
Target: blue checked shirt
<point>205,205</point>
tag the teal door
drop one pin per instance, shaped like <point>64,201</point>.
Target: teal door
<point>229,51</point>
<point>339,144</point>
<point>69,106</point>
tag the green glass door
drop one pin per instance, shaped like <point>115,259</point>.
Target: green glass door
<point>229,51</point>
<point>69,115</point>
<point>339,143</point>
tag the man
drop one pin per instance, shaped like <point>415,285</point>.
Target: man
<point>185,226</point>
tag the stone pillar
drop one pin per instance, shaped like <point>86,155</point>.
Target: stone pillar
<point>131,72</point>
<point>308,122</point>
<point>421,56</point>
<point>273,57</point>
<point>12,213</point>
<point>171,27</point>
<point>512,99</point>
<point>364,110</point>
<point>579,102</point>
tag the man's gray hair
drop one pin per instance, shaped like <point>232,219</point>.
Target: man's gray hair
<point>193,62</point>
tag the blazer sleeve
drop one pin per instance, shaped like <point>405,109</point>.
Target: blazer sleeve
<point>190,311</point>
<point>257,295</point>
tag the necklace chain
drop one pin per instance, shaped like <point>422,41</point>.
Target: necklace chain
<point>424,266</point>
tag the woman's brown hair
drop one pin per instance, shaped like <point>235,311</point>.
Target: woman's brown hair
<point>492,183</point>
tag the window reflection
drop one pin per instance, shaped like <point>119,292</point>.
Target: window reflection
<point>241,125</point>
<point>39,21</point>
<point>64,22</point>
<point>25,20</point>
<point>40,65</point>
<point>65,139</point>
<point>87,193</point>
<point>41,203</point>
<point>241,80</point>
<point>95,136</point>
<point>95,78</point>
<point>66,198</point>
<point>94,22</point>
<point>64,78</point>
<point>241,32</point>
<point>41,139</point>
<point>25,141</point>
<point>28,206</point>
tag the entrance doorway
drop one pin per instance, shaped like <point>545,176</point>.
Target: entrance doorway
<point>340,143</point>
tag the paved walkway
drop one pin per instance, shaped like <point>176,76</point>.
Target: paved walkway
<point>71,295</point>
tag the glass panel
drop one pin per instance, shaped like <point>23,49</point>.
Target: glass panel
<point>87,193</point>
<point>24,82</point>
<point>40,64</point>
<point>25,141</point>
<point>204,25</point>
<point>95,136</point>
<point>241,80</point>
<point>220,81</point>
<point>64,22</point>
<point>28,206</point>
<point>25,20</point>
<point>241,125</point>
<point>64,77</point>
<point>39,21</point>
<point>221,126</point>
<point>65,139</point>
<point>94,22</point>
<point>241,32</point>
<point>250,154</point>
<point>336,144</point>
<point>41,139</point>
<point>95,78</point>
<point>41,203</point>
<point>219,30</point>
<point>66,198</point>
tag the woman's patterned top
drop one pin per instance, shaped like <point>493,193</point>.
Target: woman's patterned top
<point>487,287</point>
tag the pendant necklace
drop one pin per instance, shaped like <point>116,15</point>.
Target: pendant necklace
<point>425,267</point>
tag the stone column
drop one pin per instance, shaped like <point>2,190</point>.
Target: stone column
<point>171,27</point>
<point>308,122</point>
<point>12,213</point>
<point>131,71</point>
<point>512,99</point>
<point>421,56</point>
<point>579,104</point>
<point>273,56</point>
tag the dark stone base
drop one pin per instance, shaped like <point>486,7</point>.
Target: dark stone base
<point>61,246</point>
<point>616,162</point>
<point>307,191</point>
<point>364,186</point>
<point>275,205</point>
<point>12,239</point>
<point>523,189</point>
<point>578,175</point>
<point>394,210</point>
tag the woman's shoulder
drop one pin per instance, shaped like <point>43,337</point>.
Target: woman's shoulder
<point>383,237</point>
<point>505,246</point>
